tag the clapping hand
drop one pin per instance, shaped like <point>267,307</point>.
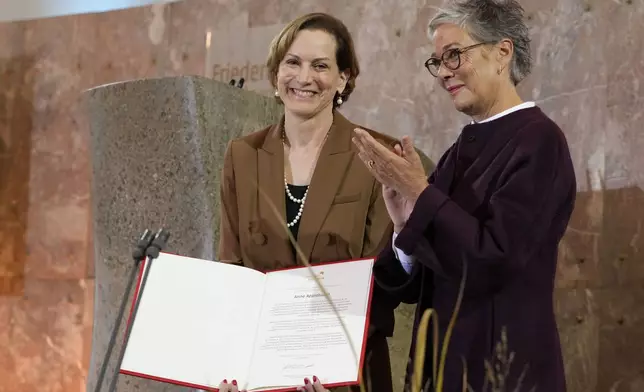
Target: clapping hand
<point>398,207</point>
<point>400,170</point>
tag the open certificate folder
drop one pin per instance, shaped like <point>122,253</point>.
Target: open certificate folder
<point>200,322</point>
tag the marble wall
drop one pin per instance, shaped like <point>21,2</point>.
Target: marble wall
<point>589,57</point>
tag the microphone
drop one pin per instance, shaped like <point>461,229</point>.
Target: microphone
<point>158,243</point>
<point>241,83</point>
<point>138,253</point>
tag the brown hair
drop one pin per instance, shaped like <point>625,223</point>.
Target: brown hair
<point>345,52</point>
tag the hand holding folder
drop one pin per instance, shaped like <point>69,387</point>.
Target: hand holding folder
<point>309,386</point>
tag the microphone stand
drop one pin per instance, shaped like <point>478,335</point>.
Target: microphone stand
<point>152,252</point>
<point>138,254</point>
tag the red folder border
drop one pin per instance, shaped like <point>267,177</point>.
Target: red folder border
<point>205,388</point>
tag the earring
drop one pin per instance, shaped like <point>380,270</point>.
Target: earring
<point>339,101</point>
<point>277,93</point>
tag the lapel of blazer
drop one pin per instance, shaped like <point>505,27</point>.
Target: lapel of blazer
<point>271,194</point>
<point>330,170</point>
<point>468,193</point>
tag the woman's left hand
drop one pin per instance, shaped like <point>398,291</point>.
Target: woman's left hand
<point>405,173</point>
<point>314,386</point>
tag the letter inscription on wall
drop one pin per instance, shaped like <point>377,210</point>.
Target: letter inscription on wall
<point>239,51</point>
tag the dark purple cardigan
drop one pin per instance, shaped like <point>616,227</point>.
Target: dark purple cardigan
<point>498,201</point>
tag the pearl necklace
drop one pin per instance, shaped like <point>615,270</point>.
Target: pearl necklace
<point>288,191</point>
<point>295,200</point>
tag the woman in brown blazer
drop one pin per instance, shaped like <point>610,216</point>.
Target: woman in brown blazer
<point>305,171</point>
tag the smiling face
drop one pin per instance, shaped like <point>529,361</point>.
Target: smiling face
<point>475,84</point>
<point>308,77</point>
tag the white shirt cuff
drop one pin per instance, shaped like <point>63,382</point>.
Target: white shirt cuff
<point>406,261</point>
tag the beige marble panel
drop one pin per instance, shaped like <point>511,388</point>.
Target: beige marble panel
<point>42,339</point>
<point>579,326</point>
<point>621,338</point>
<point>58,189</point>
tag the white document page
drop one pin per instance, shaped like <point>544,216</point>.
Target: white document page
<point>196,322</point>
<point>299,335</point>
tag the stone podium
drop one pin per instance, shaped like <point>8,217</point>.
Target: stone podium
<point>157,147</point>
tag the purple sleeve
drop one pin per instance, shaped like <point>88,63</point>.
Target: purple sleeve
<point>391,277</point>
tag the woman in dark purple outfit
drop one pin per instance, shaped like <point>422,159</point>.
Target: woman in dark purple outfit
<point>497,203</point>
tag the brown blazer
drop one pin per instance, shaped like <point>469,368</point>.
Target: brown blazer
<point>344,216</point>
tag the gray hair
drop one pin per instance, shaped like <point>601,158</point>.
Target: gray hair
<point>491,20</point>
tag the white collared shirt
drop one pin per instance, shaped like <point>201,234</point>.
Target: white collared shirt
<point>525,105</point>
<point>407,261</point>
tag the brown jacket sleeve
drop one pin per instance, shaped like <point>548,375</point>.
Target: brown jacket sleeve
<point>378,226</point>
<point>228,250</point>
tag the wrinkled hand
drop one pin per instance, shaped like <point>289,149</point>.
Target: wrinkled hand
<point>314,386</point>
<point>398,207</point>
<point>224,386</point>
<point>402,173</point>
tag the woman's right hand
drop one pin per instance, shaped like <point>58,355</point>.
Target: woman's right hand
<point>398,207</point>
<point>315,386</point>
<point>224,386</point>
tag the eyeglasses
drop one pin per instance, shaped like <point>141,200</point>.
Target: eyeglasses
<point>451,58</point>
